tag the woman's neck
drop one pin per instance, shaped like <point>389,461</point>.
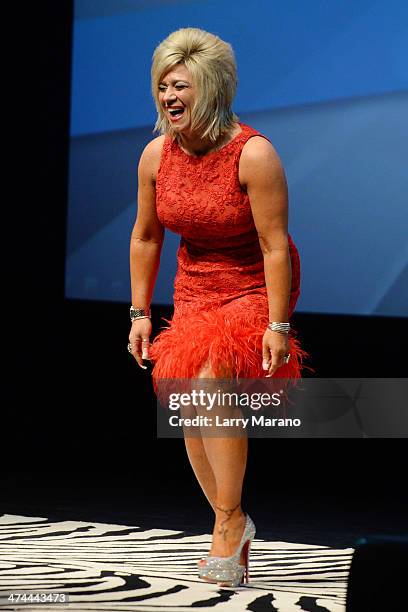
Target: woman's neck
<point>194,144</point>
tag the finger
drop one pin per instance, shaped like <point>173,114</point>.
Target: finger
<point>139,361</point>
<point>266,357</point>
<point>277,362</point>
<point>136,352</point>
<point>145,348</point>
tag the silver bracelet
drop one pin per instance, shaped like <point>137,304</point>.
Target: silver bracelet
<point>139,313</point>
<point>282,328</point>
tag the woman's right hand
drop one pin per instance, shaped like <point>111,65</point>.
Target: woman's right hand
<point>139,339</point>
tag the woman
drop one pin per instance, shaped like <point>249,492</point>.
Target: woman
<point>220,185</point>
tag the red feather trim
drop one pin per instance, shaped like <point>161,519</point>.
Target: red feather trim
<point>230,340</point>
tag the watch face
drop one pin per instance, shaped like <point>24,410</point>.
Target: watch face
<point>138,312</point>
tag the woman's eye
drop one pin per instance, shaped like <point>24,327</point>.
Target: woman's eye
<point>178,87</point>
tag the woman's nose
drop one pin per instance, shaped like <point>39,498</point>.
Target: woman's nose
<point>169,96</point>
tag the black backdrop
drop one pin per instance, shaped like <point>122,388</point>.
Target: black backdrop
<point>79,413</point>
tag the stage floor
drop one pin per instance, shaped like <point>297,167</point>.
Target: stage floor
<point>112,549</point>
<point>108,566</point>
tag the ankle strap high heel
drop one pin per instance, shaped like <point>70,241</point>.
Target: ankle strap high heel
<point>227,571</point>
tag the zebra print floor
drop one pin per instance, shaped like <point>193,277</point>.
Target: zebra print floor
<point>106,566</point>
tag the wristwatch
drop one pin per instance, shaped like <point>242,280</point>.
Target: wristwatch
<point>139,313</point>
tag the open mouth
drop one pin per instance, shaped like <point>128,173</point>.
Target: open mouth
<point>176,112</point>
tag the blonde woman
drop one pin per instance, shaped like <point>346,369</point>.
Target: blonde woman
<point>219,184</point>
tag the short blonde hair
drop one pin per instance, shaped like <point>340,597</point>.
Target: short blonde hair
<point>212,66</point>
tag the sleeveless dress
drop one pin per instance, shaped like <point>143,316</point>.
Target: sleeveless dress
<point>220,298</point>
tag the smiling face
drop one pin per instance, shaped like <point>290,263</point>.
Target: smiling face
<point>177,96</point>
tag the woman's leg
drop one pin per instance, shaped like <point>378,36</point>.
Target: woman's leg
<point>201,467</point>
<point>227,458</point>
<point>198,458</point>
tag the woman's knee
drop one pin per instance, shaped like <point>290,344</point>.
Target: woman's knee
<point>206,371</point>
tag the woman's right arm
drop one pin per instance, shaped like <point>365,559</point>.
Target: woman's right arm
<point>145,246</point>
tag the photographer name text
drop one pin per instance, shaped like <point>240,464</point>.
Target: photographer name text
<point>217,421</point>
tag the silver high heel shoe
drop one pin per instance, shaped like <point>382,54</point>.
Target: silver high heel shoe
<point>202,565</point>
<point>227,571</point>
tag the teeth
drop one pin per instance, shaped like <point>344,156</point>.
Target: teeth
<point>176,111</point>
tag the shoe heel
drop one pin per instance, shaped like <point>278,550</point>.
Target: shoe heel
<point>227,571</point>
<point>246,549</point>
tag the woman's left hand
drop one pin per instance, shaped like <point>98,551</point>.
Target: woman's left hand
<point>275,347</point>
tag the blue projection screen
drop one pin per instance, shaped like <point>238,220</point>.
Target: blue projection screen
<point>326,81</point>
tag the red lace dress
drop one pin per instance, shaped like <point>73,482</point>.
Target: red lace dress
<point>220,298</point>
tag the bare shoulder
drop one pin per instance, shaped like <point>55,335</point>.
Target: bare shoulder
<point>258,157</point>
<point>258,148</point>
<point>150,159</point>
<point>155,146</point>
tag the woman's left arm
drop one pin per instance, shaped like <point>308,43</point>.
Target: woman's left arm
<point>262,173</point>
